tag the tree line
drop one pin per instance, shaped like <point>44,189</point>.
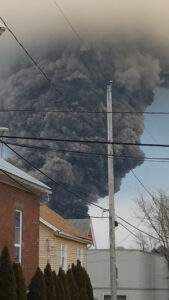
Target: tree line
<point>74,284</point>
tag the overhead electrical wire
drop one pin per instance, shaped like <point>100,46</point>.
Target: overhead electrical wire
<point>62,185</point>
<point>75,194</point>
<point>16,181</point>
<point>143,186</point>
<point>141,183</point>
<point>80,39</point>
<point>131,232</point>
<point>91,203</point>
<point>79,141</point>
<point>97,154</point>
<point>129,224</point>
<point>137,178</point>
<point>138,229</point>
<point>63,111</point>
<point>149,193</point>
<point>35,63</point>
<point>68,21</point>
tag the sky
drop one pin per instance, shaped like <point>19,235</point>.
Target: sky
<point>154,176</point>
<point>31,19</point>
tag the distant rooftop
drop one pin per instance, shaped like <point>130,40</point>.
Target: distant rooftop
<point>22,177</point>
<point>60,224</point>
<point>82,224</point>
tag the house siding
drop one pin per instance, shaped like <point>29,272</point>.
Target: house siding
<point>50,249</point>
<point>12,198</point>
<point>141,275</point>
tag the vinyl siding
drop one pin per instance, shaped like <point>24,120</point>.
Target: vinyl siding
<point>50,249</point>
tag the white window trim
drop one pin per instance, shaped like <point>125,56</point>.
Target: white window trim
<point>81,256</point>
<point>78,253</point>
<point>20,235</point>
<point>63,254</point>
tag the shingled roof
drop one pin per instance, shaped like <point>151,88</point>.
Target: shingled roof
<point>83,224</point>
<point>60,224</point>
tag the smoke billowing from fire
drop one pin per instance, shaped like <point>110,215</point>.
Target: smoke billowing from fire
<point>136,63</point>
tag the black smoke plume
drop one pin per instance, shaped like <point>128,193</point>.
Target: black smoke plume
<point>81,74</point>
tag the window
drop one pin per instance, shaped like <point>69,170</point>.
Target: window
<point>80,255</point>
<point>18,236</point>
<point>63,257</point>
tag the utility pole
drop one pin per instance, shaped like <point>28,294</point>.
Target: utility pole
<point>113,282</point>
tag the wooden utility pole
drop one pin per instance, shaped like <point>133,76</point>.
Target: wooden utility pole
<point>113,282</point>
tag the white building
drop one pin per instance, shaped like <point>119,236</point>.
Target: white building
<point>141,275</point>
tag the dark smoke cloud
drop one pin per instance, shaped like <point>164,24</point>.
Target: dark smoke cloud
<point>135,70</point>
<point>125,41</point>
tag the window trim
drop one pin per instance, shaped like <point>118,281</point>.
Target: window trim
<point>81,256</point>
<point>63,255</point>
<point>19,245</point>
<point>78,254</point>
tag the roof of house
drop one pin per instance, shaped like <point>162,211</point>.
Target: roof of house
<point>60,224</point>
<point>22,177</point>
<point>83,224</point>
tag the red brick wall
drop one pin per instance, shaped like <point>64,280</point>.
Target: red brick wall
<point>12,198</point>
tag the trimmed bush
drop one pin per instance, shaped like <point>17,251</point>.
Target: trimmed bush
<point>80,278</point>
<point>59,289</point>
<point>20,282</point>
<point>7,277</point>
<point>64,281</point>
<point>89,287</point>
<point>37,288</point>
<point>50,287</point>
<point>74,291</point>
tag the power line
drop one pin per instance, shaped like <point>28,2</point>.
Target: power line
<point>78,36</point>
<point>86,141</point>
<point>124,220</point>
<point>131,232</point>
<point>97,154</point>
<point>140,230</point>
<point>53,110</point>
<point>62,185</point>
<point>68,21</point>
<point>35,63</point>
<point>77,195</point>
<point>141,183</point>
<point>148,192</point>
<point>150,135</point>
<point>16,181</point>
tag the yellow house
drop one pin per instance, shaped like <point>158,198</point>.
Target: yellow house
<point>60,242</point>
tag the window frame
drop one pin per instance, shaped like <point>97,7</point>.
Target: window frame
<point>80,255</point>
<point>63,256</point>
<point>19,245</point>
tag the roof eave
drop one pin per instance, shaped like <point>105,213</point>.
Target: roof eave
<point>63,234</point>
<point>30,186</point>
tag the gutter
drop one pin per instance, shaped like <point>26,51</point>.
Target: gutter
<point>60,233</point>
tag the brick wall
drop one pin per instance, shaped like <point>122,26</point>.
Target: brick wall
<point>50,246</point>
<point>12,198</point>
